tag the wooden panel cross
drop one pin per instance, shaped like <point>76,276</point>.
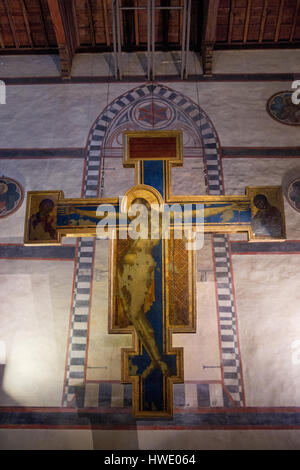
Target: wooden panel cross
<point>152,288</point>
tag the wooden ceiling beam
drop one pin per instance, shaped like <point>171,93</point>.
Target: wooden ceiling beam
<point>121,26</point>
<point>2,45</point>
<point>209,35</point>
<point>65,39</point>
<point>294,21</point>
<point>263,21</point>
<point>91,22</point>
<point>165,15</point>
<point>279,19</point>
<point>11,24</point>
<point>43,23</point>
<point>136,24</point>
<point>25,15</point>
<point>231,19</point>
<point>180,22</point>
<point>105,16</point>
<point>246,29</point>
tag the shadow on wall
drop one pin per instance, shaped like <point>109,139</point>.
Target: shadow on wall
<point>111,428</point>
<point>5,399</point>
<point>115,440</point>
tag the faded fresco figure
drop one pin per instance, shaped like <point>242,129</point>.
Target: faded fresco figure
<point>294,195</point>
<point>9,197</point>
<point>282,108</point>
<point>290,112</point>
<point>267,221</point>
<point>42,223</point>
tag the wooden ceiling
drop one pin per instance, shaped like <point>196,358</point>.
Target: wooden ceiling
<point>94,24</point>
<point>26,25</point>
<point>70,26</point>
<point>258,22</point>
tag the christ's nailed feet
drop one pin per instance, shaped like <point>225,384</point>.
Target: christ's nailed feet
<point>155,365</point>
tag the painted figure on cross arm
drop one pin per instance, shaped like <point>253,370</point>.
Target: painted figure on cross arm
<point>267,221</point>
<point>41,224</point>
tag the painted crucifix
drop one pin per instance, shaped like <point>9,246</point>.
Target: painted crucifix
<point>153,242</point>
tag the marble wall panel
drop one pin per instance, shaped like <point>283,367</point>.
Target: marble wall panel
<point>35,309</point>
<point>61,115</point>
<point>267,296</point>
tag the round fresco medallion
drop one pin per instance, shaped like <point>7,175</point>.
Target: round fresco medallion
<point>11,196</point>
<point>281,108</point>
<point>293,194</point>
